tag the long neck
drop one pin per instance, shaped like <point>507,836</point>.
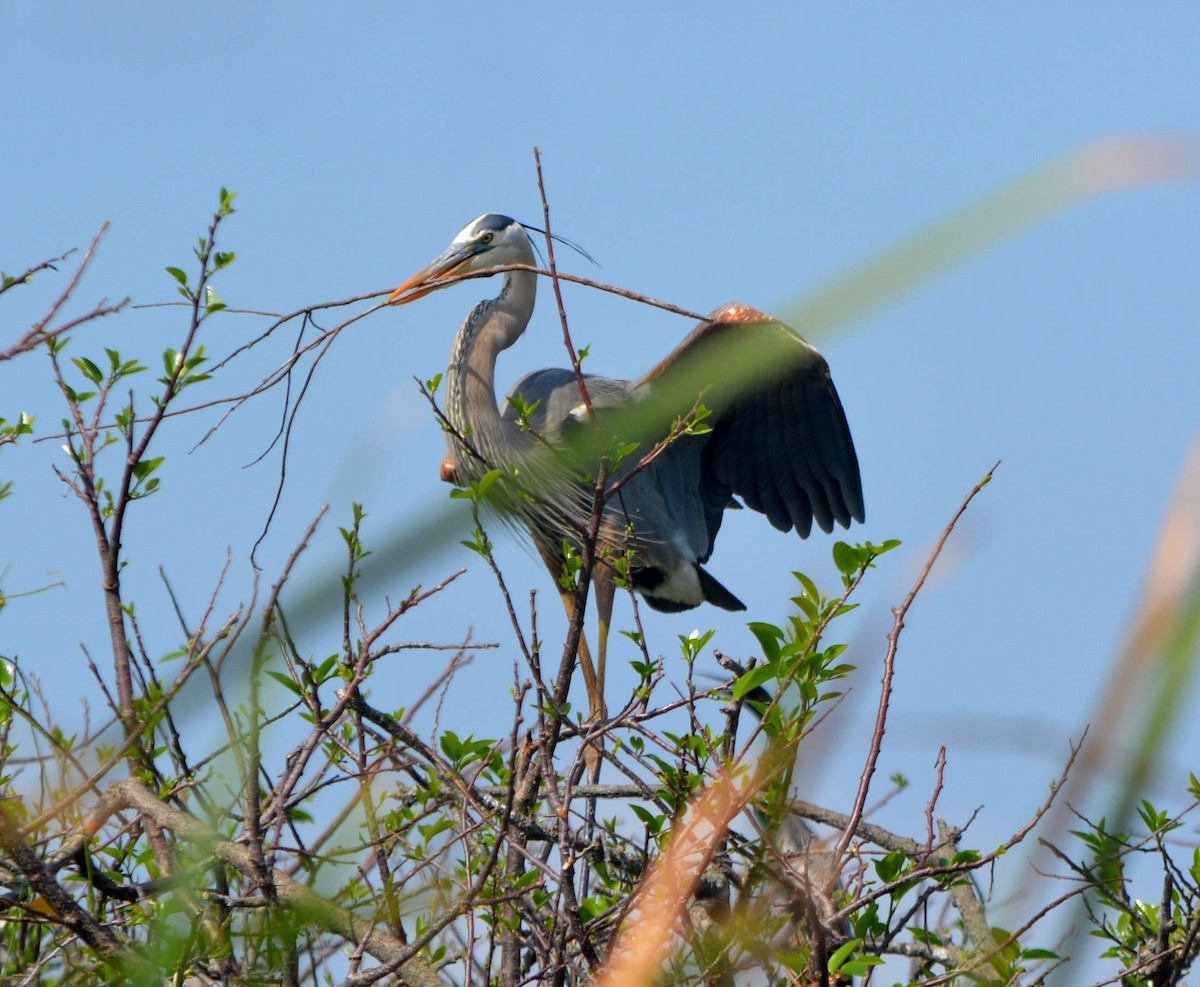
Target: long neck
<point>471,405</point>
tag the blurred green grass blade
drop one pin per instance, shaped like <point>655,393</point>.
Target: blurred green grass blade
<point>1177,668</point>
<point>1165,636</point>
<point>393,553</point>
<point>1157,660</point>
<point>1082,174</point>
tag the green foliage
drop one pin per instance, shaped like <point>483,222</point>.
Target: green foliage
<point>9,434</point>
<point>1155,938</point>
<point>848,960</point>
<point>853,561</point>
<point>522,410</point>
<point>465,751</point>
<point>181,370</point>
<point>477,492</point>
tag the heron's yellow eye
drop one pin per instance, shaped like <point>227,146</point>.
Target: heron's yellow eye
<point>486,237</point>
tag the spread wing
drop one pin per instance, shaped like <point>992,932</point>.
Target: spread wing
<point>779,437</point>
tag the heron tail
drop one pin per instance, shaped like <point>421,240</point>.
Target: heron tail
<point>715,593</point>
<point>676,592</point>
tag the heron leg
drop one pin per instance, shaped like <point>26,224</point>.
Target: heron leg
<point>604,589</point>
<point>593,682</point>
<point>603,592</point>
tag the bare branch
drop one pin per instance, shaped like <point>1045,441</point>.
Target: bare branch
<point>889,665</point>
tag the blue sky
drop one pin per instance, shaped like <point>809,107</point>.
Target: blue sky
<point>701,154</point>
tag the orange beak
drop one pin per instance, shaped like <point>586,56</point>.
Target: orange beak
<point>418,286</point>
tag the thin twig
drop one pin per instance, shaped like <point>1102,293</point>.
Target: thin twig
<point>889,665</point>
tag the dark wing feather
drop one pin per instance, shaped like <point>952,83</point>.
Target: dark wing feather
<point>796,419</point>
<point>748,436</point>
<point>810,455</point>
<point>799,510</point>
<point>777,476</point>
<point>844,489</point>
<point>779,436</point>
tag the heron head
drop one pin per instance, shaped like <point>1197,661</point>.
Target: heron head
<point>487,242</point>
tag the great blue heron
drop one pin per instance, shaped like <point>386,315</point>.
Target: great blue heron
<point>777,437</point>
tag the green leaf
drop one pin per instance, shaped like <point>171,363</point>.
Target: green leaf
<point>810,587</point>
<point>430,830</point>
<point>594,906</point>
<point>846,558</point>
<point>145,467</point>
<point>324,671</point>
<point>486,481</point>
<point>623,452</point>
<point>842,953</point>
<point>285,681</point>
<point>451,746</point>
<point>769,636</point>
<point>859,966</point>
<point>88,369</point>
<point>747,683</point>
<point>178,275</point>
<point>890,866</point>
<point>653,821</point>
<point>526,880</point>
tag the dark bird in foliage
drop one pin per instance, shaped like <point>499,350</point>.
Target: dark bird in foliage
<point>746,406</point>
